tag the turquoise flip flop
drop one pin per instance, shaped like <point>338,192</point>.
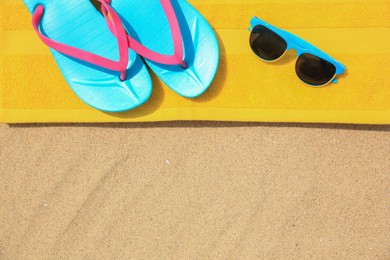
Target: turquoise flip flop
<point>98,66</point>
<point>161,27</point>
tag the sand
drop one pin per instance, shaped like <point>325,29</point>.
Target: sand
<point>194,190</point>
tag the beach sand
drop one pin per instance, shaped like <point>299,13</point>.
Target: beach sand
<point>194,190</point>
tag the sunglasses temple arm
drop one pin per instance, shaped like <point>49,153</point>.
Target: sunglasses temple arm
<point>304,45</point>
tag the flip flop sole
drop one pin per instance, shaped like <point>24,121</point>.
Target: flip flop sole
<point>79,24</point>
<point>146,21</point>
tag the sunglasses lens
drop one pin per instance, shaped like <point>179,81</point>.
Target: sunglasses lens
<point>267,44</point>
<point>314,70</point>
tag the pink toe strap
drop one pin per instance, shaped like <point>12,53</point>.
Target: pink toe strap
<point>177,58</point>
<point>115,25</point>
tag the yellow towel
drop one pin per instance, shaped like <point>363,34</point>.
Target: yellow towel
<point>357,33</point>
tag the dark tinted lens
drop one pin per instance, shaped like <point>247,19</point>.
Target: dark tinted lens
<point>314,70</point>
<point>267,44</point>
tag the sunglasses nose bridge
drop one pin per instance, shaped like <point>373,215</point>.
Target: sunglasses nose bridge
<point>293,48</point>
<point>299,50</point>
<point>296,43</point>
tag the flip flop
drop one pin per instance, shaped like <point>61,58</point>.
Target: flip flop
<point>176,41</point>
<point>98,66</point>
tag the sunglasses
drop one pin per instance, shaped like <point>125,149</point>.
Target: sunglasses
<point>313,66</point>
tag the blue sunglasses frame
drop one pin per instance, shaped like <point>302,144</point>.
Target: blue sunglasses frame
<point>301,46</point>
